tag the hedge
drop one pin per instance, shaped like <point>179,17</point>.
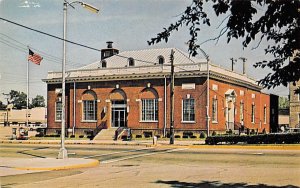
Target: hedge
<point>289,138</point>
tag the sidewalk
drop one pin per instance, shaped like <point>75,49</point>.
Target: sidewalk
<point>107,142</point>
<point>13,166</point>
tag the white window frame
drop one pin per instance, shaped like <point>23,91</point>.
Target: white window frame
<point>149,110</point>
<point>93,110</point>
<point>253,113</point>
<point>215,110</point>
<point>58,111</point>
<point>131,62</point>
<point>161,60</point>
<point>265,114</point>
<point>242,117</point>
<point>188,110</point>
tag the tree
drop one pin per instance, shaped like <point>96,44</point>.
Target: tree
<point>284,103</point>
<point>38,101</point>
<point>18,99</point>
<point>2,106</point>
<point>278,25</point>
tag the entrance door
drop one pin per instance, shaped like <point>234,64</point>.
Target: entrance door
<point>118,117</point>
<point>119,113</point>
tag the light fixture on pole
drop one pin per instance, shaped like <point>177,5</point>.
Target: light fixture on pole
<point>207,102</point>
<point>63,151</point>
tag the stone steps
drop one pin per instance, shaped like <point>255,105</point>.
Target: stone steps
<point>106,134</point>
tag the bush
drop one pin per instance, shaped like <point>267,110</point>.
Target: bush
<point>202,135</point>
<point>138,136</point>
<point>214,133</point>
<point>178,136</point>
<point>81,136</point>
<point>290,138</point>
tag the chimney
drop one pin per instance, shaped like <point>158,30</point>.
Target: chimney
<point>109,51</point>
<point>109,44</point>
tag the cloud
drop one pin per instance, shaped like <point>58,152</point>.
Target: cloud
<point>28,4</point>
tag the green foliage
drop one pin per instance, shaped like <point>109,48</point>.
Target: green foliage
<point>290,138</point>
<point>2,106</point>
<point>202,135</point>
<point>284,103</point>
<point>38,101</point>
<point>279,25</point>
<point>18,99</point>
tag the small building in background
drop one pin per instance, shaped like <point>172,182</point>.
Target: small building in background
<point>14,117</point>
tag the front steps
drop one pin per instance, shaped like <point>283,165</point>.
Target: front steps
<point>106,134</point>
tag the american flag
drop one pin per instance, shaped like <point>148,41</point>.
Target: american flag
<point>34,58</point>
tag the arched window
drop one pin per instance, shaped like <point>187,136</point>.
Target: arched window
<point>89,106</point>
<point>130,62</point>
<point>161,60</point>
<point>149,105</point>
<point>103,64</point>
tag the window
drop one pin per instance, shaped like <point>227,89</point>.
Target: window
<point>253,113</point>
<point>130,62</point>
<point>89,110</point>
<point>188,110</point>
<point>58,111</point>
<point>215,110</point>
<point>161,60</point>
<point>242,112</point>
<point>149,110</point>
<point>103,64</point>
<point>265,114</point>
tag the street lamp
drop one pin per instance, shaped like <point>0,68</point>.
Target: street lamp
<point>63,151</point>
<point>207,103</point>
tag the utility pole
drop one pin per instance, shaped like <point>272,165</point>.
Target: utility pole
<point>232,62</point>
<point>244,65</point>
<point>172,99</point>
<point>7,97</point>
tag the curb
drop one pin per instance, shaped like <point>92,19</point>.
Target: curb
<point>94,163</point>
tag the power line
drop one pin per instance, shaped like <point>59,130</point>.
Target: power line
<point>24,49</point>
<point>44,33</point>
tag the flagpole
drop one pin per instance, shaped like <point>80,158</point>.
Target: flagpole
<point>27,101</point>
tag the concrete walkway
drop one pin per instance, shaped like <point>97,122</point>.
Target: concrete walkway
<point>13,166</point>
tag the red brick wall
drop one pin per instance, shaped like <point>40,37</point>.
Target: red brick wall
<point>135,89</point>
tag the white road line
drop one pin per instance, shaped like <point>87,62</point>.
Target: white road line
<point>141,155</point>
<point>92,156</point>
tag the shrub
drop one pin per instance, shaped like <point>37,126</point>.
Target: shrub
<point>214,133</point>
<point>138,136</point>
<point>81,136</point>
<point>202,135</point>
<point>290,138</point>
<point>178,136</point>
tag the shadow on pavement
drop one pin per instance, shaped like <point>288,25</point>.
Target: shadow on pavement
<point>214,184</point>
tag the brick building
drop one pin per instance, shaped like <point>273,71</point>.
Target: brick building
<point>132,89</point>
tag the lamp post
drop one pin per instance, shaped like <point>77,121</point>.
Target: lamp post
<point>207,102</point>
<point>63,151</point>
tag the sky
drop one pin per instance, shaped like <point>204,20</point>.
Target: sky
<point>128,23</point>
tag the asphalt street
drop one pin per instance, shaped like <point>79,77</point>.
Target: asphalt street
<point>163,166</point>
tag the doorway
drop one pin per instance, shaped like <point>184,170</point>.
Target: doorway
<point>119,113</point>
